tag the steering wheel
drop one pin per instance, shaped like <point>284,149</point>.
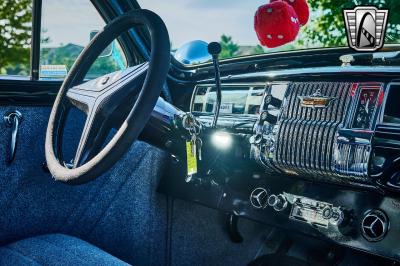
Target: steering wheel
<point>131,93</point>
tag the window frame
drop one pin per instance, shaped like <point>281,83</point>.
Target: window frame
<point>41,92</point>
<point>35,39</point>
<point>107,13</point>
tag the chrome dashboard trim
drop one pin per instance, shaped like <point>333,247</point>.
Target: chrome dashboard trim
<point>317,143</point>
<point>319,70</point>
<point>238,84</point>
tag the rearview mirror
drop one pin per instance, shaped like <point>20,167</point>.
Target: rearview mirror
<point>109,49</point>
<point>194,52</point>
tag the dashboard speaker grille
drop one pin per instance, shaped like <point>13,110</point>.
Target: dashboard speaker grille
<point>306,135</point>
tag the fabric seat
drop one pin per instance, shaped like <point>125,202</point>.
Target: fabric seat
<point>55,249</point>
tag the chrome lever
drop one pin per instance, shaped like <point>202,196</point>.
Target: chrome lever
<point>13,119</point>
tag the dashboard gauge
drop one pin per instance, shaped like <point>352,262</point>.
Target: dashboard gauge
<point>366,106</point>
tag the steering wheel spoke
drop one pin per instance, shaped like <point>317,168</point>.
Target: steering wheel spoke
<point>81,99</point>
<point>93,137</point>
<point>85,95</point>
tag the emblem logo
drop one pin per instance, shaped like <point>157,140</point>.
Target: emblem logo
<point>365,27</point>
<point>375,225</point>
<point>316,100</point>
<point>259,197</point>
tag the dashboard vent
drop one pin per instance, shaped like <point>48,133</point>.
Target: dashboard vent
<point>374,225</point>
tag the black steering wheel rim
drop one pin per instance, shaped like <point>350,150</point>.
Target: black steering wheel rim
<point>157,70</point>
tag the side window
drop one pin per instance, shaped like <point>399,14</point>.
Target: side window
<point>15,37</point>
<point>67,27</point>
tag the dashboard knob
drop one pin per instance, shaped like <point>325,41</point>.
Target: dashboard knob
<point>327,212</point>
<point>256,139</point>
<point>267,99</point>
<point>267,117</point>
<point>278,202</point>
<point>338,216</point>
<point>214,48</point>
<point>263,116</point>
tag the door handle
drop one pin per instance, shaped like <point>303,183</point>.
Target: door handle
<point>13,119</point>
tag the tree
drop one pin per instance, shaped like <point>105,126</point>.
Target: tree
<point>258,50</point>
<point>328,29</point>
<point>67,54</point>
<point>15,34</point>
<point>229,48</point>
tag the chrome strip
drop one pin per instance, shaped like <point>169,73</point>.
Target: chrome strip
<point>320,70</point>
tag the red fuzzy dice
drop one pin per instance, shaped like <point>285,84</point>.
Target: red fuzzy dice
<point>301,9</point>
<point>276,24</point>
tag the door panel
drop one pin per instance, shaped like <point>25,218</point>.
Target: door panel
<point>116,212</point>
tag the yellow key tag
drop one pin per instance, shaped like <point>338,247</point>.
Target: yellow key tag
<point>191,158</point>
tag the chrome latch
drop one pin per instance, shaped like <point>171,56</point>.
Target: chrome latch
<point>13,119</point>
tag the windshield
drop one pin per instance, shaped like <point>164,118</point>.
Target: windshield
<point>231,22</point>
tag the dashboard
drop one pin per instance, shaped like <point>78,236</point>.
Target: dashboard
<point>317,130</point>
<point>315,152</point>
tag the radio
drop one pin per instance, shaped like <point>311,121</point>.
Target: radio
<point>300,208</point>
<point>314,212</point>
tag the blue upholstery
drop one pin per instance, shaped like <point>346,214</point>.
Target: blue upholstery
<point>119,212</point>
<point>55,249</point>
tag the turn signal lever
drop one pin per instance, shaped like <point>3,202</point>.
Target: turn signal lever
<point>214,49</point>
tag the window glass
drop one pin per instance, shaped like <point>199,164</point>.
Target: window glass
<point>15,36</point>
<point>67,27</point>
<point>231,22</point>
<point>392,112</point>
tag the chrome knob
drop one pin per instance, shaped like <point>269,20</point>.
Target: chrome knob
<point>278,202</point>
<point>337,216</point>
<point>258,138</point>
<point>327,212</point>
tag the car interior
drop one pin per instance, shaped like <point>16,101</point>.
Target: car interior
<point>128,148</point>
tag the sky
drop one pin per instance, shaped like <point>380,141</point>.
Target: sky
<point>186,20</point>
<point>63,18</point>
<point>207,20</point>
